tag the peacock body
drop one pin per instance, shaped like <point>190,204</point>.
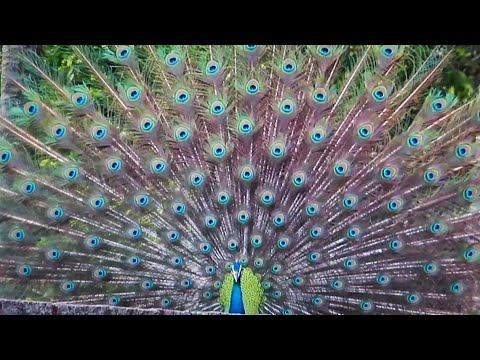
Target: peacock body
<point>244,179</point>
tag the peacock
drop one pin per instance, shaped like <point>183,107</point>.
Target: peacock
<point>241,179</point>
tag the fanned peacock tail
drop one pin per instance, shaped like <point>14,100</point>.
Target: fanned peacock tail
<point>253,179</point>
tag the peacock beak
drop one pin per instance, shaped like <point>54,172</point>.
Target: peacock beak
<point>236,275</point>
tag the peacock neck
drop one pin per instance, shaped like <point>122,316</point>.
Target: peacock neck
<point>236,301</point>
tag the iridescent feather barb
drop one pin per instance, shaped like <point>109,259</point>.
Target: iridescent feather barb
<point>242,179</point>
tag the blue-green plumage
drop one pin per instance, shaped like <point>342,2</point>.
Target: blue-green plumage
<point>236,303</point>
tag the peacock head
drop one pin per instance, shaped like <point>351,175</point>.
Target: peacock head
<point>237,270</point>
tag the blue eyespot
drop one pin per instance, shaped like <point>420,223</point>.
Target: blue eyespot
<point>252,87</point>
<point>289,66</point>
<point>134,233</point>
<point>176,261</point>
<point>341,168</point>
<point>383,279</point>
<point>158,166</point>
<point>97,203</point>
<point>388,173</point>
<point>267,197</point>
<point>134,261</point>
<point>133,93</point>
<point>92,242</point>
<point>365,131</point>
<point>283,243</point>
<point>388,52</point>
<point>287,106</point>
<point>99,132</point>
<point>353,232</point>
<point>59,131</point>
<point>217,108</point>
<point>266,285</point>
<point>350,264</point>
<point>457,288</point>
<point>210,221</point>
<point>297,281</point>
<point>25,270</point>
<point>298,179</point>
<point>5,157</point>
<point>337,284</point>
<point>413,298</point>
<point>71,173</point>
<point>256,241</point>
<point>366,306</point>
<point>247,173</point>
<point>218,151</point>
<point>182,133</point>
<point>147,285</point>
<point>100,273</point>
<point>212,67</point>
<point>123,53</point>
<point>438,105</point>
<point>317,300</point>
<point>17,234</point>
<point>179,208</point>
<point>232,245</point>
<point>211,270</point>
<point>79,99</point>
<point>173,235</point>
<point>55,213</point>
<point>470,254</point>
<point>258,263</point>
<point>29,187</point>
<point>430,268</point>
<point>31,109</point>
<point>379,93</point>
<point>313,256</point>
<point>54,254</point>
<point>245,126</point>
<point>278,220</point>
<point>223,198</point>
<point>277,294</point>
<point>196,179</point>
<point>114,300</point>
<point>312,209</point>
<point>277,150</point>
<point>68,286</point>
<point>463,151</point>
<point>147,124</point>
<point>186,283</point>
<point>218,285</point>
<point>414,141</point>
<point>438,228</point>
<point>315,232</point>
<point>172,59</point>
<point>243,216</point>
<point>350,202</point>
<point>395,245</point>
<point>276,269</point>
<point>324,50</point>
<point>395,205</point>
<point>182,96</point>
<point>320,96</point>
<point>142,200</point>
<point>114,165</point>
<point>207,295</point>
<point>205,248</point>
<point>250,47</point>
<point>317,135</point>
<point>166,303</point>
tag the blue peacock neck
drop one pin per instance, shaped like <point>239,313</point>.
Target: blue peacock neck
<point>236,301</point>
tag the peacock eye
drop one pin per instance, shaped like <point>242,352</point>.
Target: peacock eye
<point>182,96</point>
<point>463,151</point>
<point>337,284</point>
<point>350,264</point>
<point>5,157</point>
<point>266,285</point>
<point>217,108</point>
<point>256,241</point>
<point>79,99</point>
<point>250,47</point>
<point>395,244</point>
<point>252,87</point>
<point>277,294</point>
<point>324,50</point>
<point>287,106</point>
<point>218,151</point>
<point>366,305</point>
<point>172,59</point>
<point>212,67</point>
<point>247,173</point>
<point>186,283</point>
<point>114,165</point>
<point>283,243</point>
<point>246,126</point>
<point>320,95</point>
<point>312,209</point>
<point>365,131</point>
<point>55,213</point>
<point>114,300</point>
<point>100,273</point>
<point>28,187</point>
<point>341,168</point>
<point>383,279</point>
<point>438,228</point>
<point>68,286</point>
<point>134,261</point>
<point>179,208</point>
<point>439,105</point>
<point>470,254</point>
<point>313,257</point>
<point>182,133</point>
<point>71,173</point>
<point>413,298</point>
<point>205,248</point>
<point>317,300</point>
<point>92,242</point>
<point>158,166</point>
<point>414,141</point>
<point>277,150</point>
<point>25,270</point>
<point>395,205</point>
<point>142,200</point>
<point>99,132</point>
<point>353,232</point>
<point>166,302</point>
<point>123,53</point>
<point>134,233</point>
<point>134,93</point>
<point>298,179</point>
<point>173,235</point>
<point>54,254</point>
<point>315,232</point>
<point>276,268</point>
<point>211,270</point>
<point>147,124</point>
<point>207,294</point>
<point>30,109</point>
<point>388,52</point>
<point>379,93</point>
<point>59,131</point>
<point>196,179</point>
<point>210,221</point>
<point>430,268</point>
<point>147,285</point>
<point>278,220</point>
<point>388,173</point>
<point>223,198</point>
<point>176,261</point>
<point>289,66</point>
<point>243,216</point>
<point>17,234</point>
<point>457,288</point>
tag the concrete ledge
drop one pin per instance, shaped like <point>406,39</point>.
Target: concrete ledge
<point>20,307</point>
